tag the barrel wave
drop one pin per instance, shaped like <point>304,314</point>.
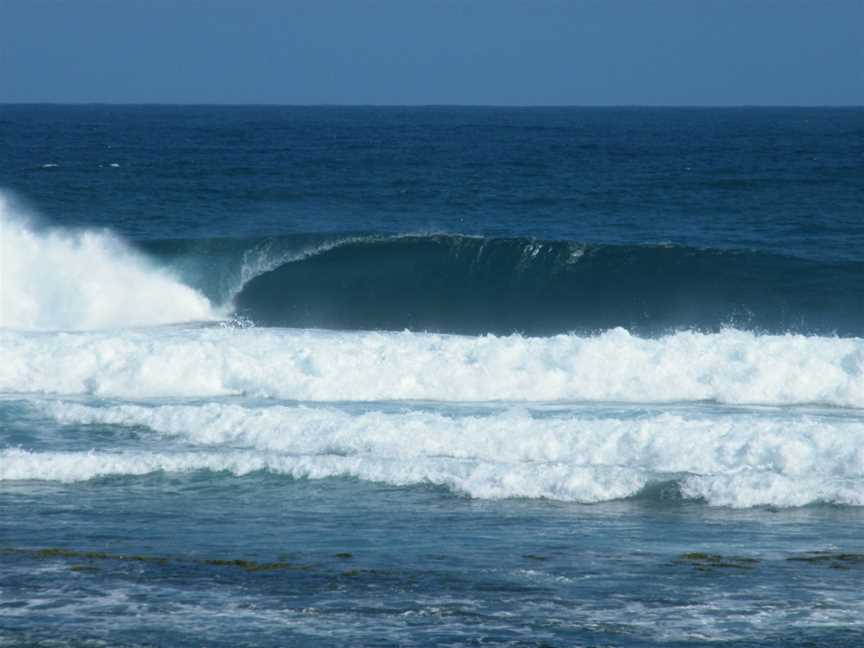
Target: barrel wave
<point>473,285</point>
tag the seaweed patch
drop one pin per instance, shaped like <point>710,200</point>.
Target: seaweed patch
<point>707,562</point>
<point>247,565</point>
<point>834,560</point>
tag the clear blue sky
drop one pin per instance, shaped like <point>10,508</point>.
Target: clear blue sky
<point>537,52</point>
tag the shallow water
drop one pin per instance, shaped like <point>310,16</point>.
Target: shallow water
<point>349,561</point>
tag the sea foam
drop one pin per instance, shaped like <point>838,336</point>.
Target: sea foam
<point>58,279</point>
<point>729,367</point>
<point>723,455</point>
<point>686,441</point>
<point>472,477</point>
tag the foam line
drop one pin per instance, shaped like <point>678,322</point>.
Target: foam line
<point>729,367</point>
<point>484,480</point>
<point>662,442</point>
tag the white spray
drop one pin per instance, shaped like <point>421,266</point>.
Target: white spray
<point>57,279</point>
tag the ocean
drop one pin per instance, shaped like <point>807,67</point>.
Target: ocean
<point>433,376</point>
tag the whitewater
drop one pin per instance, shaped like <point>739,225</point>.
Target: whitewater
<point>120,328</point>
<point>56,279</point>
<point>730,367</point>
<point>744,458</point>
<point>395,406</point>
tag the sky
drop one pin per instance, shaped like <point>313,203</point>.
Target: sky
<point>408,52</point>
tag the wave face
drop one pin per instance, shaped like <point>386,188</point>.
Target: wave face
<point>729,367</point>
<point>54,279</point>
<point>466,285</point>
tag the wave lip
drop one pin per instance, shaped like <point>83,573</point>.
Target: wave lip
<point>64,280</point>
<point>308,365</point>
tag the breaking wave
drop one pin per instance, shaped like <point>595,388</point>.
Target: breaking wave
<point>60,279</point>
<point>729,367</point>
<point>491,367</point>
<point>473,285</point>
<point>741,459</point>
<point>55,279</point>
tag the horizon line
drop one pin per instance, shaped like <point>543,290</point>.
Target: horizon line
<point>412,105</point>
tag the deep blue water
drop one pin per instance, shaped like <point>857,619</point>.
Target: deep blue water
<point>431,376</point>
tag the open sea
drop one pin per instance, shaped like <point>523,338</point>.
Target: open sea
<point>329,376</point>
